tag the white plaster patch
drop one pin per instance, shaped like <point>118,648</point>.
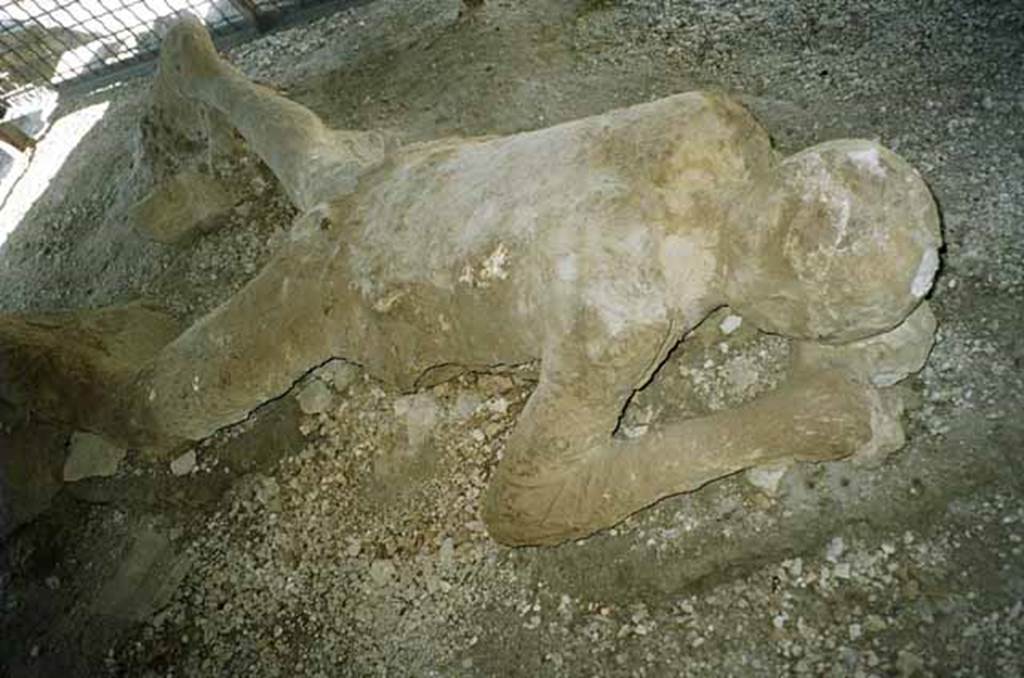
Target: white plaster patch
<point>730,324</point>
<point>565,267</point>
<point>925,273</point>
<point>868,159</point>
<point>636,241</point>
<point>688,265</point>
<point>622,306</point>
<point>494,265</point>
<point>766,478</point>
<point>386,302</point>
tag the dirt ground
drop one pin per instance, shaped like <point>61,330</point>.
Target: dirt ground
<point>335,532</point>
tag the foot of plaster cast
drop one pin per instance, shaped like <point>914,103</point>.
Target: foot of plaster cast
<point>188,53</point>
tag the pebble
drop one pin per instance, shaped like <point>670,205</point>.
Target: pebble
<point>446,554</point>
<point>835,549</point>
<point>381,572</point>
<point>909,664</point>
<point>184,464</point>
<point>340,374</point>
<point>420,413</point>
<point>730,324</point>
<point>315,398</point>
<point>768,479</point>
<point>466,405</point>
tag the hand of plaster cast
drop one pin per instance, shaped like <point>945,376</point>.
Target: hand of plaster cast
<point>887,433</point>
<point>882,360</point>
<point>878,362</point>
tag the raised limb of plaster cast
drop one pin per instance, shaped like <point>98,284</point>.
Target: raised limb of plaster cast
<point>594,246</point>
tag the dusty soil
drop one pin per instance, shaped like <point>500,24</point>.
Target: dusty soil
<point>346,541</point>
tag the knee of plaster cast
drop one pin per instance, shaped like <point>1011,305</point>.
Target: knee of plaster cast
<point>845,245</point>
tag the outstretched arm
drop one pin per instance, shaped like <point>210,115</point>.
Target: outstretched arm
<point>565,476</point>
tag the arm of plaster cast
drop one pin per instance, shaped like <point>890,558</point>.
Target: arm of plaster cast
<point>882,360</point>
<point>549,489</point>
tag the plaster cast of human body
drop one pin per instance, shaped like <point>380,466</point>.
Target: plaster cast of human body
<point>594,246</point>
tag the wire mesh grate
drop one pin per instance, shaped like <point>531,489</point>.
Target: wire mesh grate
<point>51,43</point>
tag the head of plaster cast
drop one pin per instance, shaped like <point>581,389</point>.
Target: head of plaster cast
<point>840,243</point>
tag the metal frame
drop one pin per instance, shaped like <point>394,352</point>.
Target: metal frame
<point>78,44</point>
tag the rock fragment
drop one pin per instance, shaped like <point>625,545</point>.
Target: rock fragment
<point>730,324</point>
<point>340,374</point>
<point>184,464</point>
<point>420,413</point>
<point>315,398</point>
<point>90,456</point>
<point>766,478</point>
<point>381,572</point>
<point>179,207</point>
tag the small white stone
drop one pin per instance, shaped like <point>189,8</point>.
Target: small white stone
<point>925,273</point>
<point>184,464</point>
<point>315,398</point>
<point>633,432</point>
<point>466,406</point>
<point>855,631</point>
<point>766,478</point>
<point>497,405</point>
<point>420,413</point>
<point>381,572</point>
<point>338,373</point>
<point>835,549</point>
<point>730,324</point>
<point>446,555</point>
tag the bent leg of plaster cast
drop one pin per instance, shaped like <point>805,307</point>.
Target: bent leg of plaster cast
<point>313,162</point>
<point>249,350</point>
